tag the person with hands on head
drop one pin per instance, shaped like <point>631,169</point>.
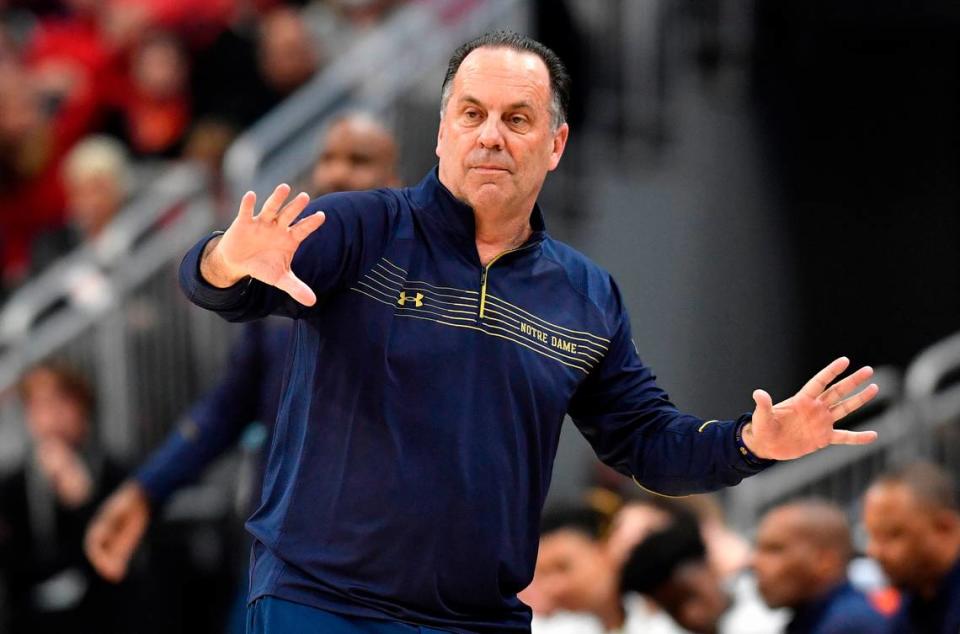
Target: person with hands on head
<point>356,152</point>
<point>398,492</point>
<point>45,505</point>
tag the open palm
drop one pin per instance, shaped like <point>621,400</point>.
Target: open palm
<point>804,422</point>
<point>262,245</point>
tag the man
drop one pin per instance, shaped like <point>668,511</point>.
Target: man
<point>426,387</point>
<point>356,152</point>
<point>913,521</point>
<point>97,179</point>
<point>578,572</point>
<point>803,549</point>
<point>672,566</point>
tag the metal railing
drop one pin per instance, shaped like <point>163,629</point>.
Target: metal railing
<point>113,310</point>
<point>377,75</point>
<point>923,425</point>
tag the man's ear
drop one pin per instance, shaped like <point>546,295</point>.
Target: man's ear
<point>559,144</point>
<point>439,136</point>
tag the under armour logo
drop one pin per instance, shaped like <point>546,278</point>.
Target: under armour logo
<point>417,299</point>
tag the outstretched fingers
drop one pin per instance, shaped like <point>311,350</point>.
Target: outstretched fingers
<point>855,402</point>
<point>274,201</point>
<point>307,225</point>
<point>847,437</point>
<point>815,386</point>
<point>292,209</point>
<point>841,389</point>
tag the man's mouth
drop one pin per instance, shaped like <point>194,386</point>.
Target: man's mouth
<point>490,169</point>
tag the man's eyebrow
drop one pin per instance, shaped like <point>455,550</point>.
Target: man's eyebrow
<point>514,106</point>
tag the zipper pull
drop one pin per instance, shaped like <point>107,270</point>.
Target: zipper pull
<point>483,289</point>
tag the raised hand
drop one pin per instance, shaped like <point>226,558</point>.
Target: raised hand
<point>804,422</point>
<point>262,246</point>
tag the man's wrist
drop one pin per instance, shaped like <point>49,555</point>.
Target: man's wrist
<point>747,443</point>
<point>213,269</point>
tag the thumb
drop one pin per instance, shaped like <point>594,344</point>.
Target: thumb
<point>295,288</point>
<point>764,404</point>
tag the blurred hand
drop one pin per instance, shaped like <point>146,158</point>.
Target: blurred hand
<point>262,246</point>
<point>65,470</point>
<point>630,526</point>
<point>804,422</point>
<point>115,532</point>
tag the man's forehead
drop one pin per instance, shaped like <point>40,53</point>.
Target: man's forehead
<point>507,65</point>
<point>892,497</point>
<point>355,131</point>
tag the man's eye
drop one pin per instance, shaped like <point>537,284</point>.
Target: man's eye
<point>518,120</point>
<point>471,114</point>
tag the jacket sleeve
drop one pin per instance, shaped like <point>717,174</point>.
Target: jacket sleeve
<point>214,423</point>
<point>634,428</point>
<point>357,227</point>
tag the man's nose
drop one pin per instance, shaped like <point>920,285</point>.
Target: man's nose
<point>491,136</point>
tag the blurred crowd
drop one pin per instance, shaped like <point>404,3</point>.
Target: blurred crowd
<point>93,92</point>
<point>64,564</point>
<point>669,566</point>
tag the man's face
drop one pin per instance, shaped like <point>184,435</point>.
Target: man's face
<point>785,560</point>
<point>356,155</point>
<point>52,413</point>
<point>93,201</point>
<point>903,535</point>
<point>573,572</point>
<point>496,141</point>
<point>693,597</point>
<point>285,51</point>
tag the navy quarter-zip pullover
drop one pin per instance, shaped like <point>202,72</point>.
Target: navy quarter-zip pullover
<point>422,407</point>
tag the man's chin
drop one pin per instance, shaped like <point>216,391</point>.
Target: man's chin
<point>487,195</point>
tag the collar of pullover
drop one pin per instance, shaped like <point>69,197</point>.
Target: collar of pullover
<point>456,217</point>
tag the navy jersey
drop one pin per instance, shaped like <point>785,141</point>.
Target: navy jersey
<point>842,610</point>
<point>248,392</point>
<point>422,405</point>
<point>938,615</point>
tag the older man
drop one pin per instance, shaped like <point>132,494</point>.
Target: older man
<point>913,519</point>
<point>427,384</point>
<point>803,549</point>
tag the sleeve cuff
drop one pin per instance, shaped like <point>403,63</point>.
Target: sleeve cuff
<point>743,459</point>
<point>201,292</point>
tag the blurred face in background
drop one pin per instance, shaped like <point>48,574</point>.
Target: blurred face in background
<point>160,68</point>
<point>93,200</point>
<point>497,140</point>
<point>285,51</point>
<point>21,112</point>
<point>52,411</point>
<point>693,597</point>
<point>357,153</point>
<point>904,535</point>
<point>573,571</point>
<point>785,561</point>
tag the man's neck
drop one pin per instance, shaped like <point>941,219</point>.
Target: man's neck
<point>951,558</point>
<point>497,235</point>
